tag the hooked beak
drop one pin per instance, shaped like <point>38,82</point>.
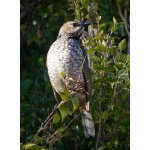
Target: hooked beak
<point>85,24</point>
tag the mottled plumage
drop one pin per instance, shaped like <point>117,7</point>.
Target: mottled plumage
<point>67,55</point>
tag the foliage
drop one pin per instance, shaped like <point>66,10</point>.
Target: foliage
<point>111,84</point>
<point>40,23</point>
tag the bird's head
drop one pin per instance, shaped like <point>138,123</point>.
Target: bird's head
<point>73,29</point>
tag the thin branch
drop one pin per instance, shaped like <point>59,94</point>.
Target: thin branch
<point>123,18</point>
<point>90,10</point>
<point>99,133</point>
<point>48,119</point>
<point>29,10</point>
<point>99,126</point>
<point>56,136</point>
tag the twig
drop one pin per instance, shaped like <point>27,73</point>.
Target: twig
<point>123,18</point>
<point>48,119</point>
<point>59,135</point>
<point>99,134</point>
<point>29,10</point>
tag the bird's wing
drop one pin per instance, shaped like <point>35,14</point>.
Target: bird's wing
<point>87,76</point>
<point>56,95</point>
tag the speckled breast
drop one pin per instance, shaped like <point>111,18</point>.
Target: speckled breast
<point>65,55</point>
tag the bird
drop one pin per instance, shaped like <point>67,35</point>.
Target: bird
<point>67,55</point>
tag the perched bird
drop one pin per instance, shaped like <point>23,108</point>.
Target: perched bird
<point>67,55</point>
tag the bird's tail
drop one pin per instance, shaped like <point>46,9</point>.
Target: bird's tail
<point>87,121</point>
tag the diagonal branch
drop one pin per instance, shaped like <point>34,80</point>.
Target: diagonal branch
<point>56,136</point>
<point>48,119</point>
<point>123,18</point>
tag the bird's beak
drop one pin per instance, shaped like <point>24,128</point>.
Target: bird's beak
<point>85,24</point>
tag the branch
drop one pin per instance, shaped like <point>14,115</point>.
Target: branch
<point>48,119</point>
<point>29,10</point>
<point>90,10</point>
<point>56,136</point>
<point>99,134</point>
<point>123,18</point>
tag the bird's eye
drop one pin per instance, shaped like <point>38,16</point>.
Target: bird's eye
<point>75,24</point>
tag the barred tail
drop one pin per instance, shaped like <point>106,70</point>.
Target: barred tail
<point>88,123</point>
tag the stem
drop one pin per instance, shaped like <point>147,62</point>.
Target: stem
<point>123,18</point>
<point>56,136</point>
<point>48,119</point>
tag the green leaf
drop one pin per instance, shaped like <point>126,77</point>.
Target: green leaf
<point>98,67</point>
<point>119,65</point>
<point>107,128</point>
<point>64,95</point>
<point>102,25</point>
<point>123,58</point>
<point>61,129</point>
<point>22,129</point>
<point>62,74</point>
<point>29,145</point>
<point>121,72</point>
<point>116,117</point>
<point>95,58</point>
<point>111,49</point>
<point>116,142</point>
<point>105,114</point>
<point>101,48</point>
<point>75,102</point>
<point>112,84</point>
<point>41,61</point>
<point>44,15</point>
<point>40,120</point>
<point>99,18</point>
<point>113,29</point>
<point>64,110</point>
<point>122,44</point>
<point>102,147</point>
<point>38,138</point>
<point>56,118</point>
<point>98,37</point>
<point>51,8</point>
<point>109,68</point>
<point>111,106</point>
<point>36,147</point>
<point>114,20</point>
<point>90,51</point>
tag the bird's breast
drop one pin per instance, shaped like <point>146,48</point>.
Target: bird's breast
<point>65,56</point>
